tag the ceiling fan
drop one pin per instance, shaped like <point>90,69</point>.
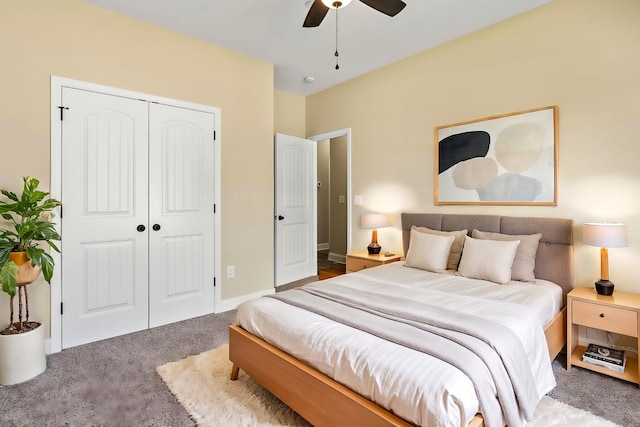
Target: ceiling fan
<point>319,9</point>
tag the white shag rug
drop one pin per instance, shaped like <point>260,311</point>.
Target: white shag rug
<point>202,386</point>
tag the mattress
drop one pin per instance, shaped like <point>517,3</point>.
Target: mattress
<point>413,385</point>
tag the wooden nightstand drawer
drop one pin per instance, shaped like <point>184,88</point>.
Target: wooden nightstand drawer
<point>606,318</point>
<point>360,260</point>
<point>357,264</point>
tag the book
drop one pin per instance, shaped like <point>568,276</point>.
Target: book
<point>605,357</point>
<point>605,353</point>
<point>604,364</point>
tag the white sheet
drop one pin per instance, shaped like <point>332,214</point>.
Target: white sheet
<point>415,386</point>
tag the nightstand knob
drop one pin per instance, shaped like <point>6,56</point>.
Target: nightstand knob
<point>601,314</point>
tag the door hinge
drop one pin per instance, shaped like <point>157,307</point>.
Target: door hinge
<point>214,208</point>
<point>60,211</point>
<point>214,135</point>
<point>214,282</point>
<point>61,310</point>
<point>62,112</point>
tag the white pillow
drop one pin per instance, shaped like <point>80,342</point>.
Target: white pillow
<point>456,247</point>
<point>488,259</point>
<point>524,263</point>
<point>428,251</point>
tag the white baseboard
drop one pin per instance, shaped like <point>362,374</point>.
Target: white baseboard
<point>233,303</point>
<point>340,259</point>
<point>323,246</point>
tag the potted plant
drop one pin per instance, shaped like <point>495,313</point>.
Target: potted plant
<point>21,262</point>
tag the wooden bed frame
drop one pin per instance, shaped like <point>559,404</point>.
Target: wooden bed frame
<point>322,401</point>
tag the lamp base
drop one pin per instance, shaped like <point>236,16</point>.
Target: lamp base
<point>604,287</point>
<point>374,248</point>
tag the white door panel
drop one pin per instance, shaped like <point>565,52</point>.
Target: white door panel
<point>104,266</point>
<point>295,194</point>
<point>181,199</point>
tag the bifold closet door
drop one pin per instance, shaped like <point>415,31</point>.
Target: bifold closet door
<point>181,214</point>
<point>104,216</point>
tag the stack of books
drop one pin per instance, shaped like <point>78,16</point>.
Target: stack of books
<point>605,357</point>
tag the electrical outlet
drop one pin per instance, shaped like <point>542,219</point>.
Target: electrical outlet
<point>231,271</point>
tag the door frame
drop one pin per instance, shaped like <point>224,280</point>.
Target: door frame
<point>336,134</point>
<point>54,344</point>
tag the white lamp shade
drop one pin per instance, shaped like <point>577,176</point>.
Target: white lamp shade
<point>374,221</point>
<point>605,235</point>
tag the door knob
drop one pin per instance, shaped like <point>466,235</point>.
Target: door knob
<point>156,227</point>
<point>280,217</point>
<point>141,228</point>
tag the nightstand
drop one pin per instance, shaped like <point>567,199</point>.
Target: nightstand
<point>618,313</point>
<point>360,260</point>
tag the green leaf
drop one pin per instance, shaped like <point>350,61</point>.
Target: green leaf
<point>49,204</point>
<point>35,255</point>
<point>30,185</point>
<point>36,196</point>
<point>11,195</point>
<point>53,245</point>
<point>9,278</point>
<point>5,251</point>
<point>42,259</point>
<point>47,271</point>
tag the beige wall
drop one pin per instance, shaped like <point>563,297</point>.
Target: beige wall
<point>581,55</point>
<point>289,113</point>
<point>338,211</point>
<point>69,38</point>
<point>323,191</point>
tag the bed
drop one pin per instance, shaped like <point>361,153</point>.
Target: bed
<point>306,383</point>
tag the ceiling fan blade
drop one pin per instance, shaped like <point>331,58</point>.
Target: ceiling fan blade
<point>388,7</point>
<point>316,14</point>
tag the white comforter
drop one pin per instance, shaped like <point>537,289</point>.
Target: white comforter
<point>415,386</point>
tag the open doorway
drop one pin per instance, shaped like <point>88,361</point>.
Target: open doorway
<point>333,201</point>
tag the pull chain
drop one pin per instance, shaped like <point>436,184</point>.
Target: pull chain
<point>336,54</point>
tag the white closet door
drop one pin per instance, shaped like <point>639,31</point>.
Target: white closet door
<point>104,200</point>
<point>181,214</point>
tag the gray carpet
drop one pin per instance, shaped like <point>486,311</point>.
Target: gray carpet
<point>114,382</point>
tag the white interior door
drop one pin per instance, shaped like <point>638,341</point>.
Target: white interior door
<point>295,204</point>
<point>104,198</point>
<point>181,214</point>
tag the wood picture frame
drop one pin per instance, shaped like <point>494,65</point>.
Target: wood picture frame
<point>509,159</point>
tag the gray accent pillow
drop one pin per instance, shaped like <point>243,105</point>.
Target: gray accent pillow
<point>525,260</point>
<point>456,247</point>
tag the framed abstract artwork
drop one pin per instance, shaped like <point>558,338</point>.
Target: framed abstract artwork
<point>511,159</point>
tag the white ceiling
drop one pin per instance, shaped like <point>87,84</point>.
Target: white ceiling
<point>272,30</point>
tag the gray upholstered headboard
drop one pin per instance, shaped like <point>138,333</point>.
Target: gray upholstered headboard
<point>554,260</point>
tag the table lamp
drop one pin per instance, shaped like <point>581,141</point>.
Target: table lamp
<point>604,235</point>
<point>374,221</point>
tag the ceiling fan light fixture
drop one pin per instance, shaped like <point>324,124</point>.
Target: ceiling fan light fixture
<point>333,4</point>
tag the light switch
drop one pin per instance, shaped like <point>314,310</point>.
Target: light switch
<point>357,200</point>
<point>341,199</point>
